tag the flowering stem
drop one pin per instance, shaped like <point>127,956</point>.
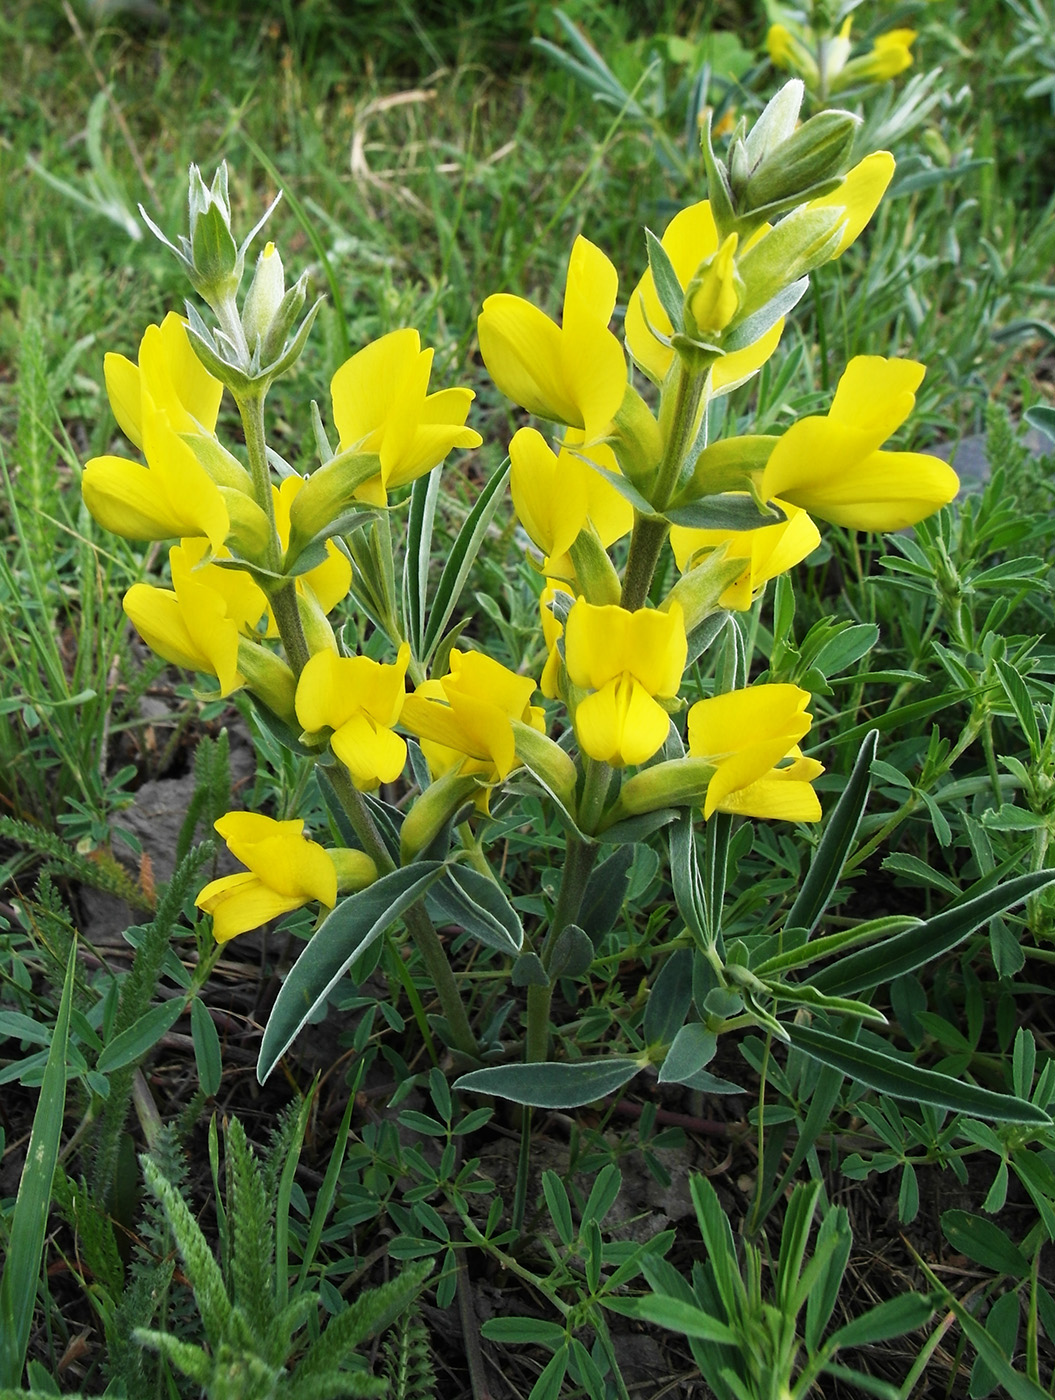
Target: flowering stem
<point>646,543</point>
<point>419,925</point>
<point>291,630</point>
<point>578,863</point>
<point>284,598</point>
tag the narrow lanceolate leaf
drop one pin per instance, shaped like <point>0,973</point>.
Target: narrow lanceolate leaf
<point>552,1085</point>
<point>826,866</point>
<point>131,1045</point>
<point>675,1315</point>
<point>669,290</point>
<point>1022,703</point>
<point>462,557</point>
<point>348,931</point>
<point>479,906</point>
<point>723,513</point>
<point>869,967</point>
<point>423,497</point>
<point>18,1287</point>
<point>887,1075</point>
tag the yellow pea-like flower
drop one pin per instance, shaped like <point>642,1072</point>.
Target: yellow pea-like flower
<point>284,871</point>
<point>464,719</point>
<point>555,494</point>
<point>173,495</point>
<point>625,659</point>
<point>690,239</point>
<point>831,466</point>
<point>360,700</point>
<point>381,404</point>
<point>745,734</point>
<point>197,623</point>
<point>858,195</point>
<point>574,373</point>
<point>174,379</point>
<point>767,552</point>
<point>329,581</point>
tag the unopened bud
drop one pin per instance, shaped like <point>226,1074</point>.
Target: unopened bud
<point>793,169</point>
<point>712,297</point>
<point>355,869</point>
<point>264,296</point>
<point>269,679</point>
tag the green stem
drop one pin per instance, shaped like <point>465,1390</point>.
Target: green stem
<point>424,937</point>
<point>646,543</point>
<point>579,860</point>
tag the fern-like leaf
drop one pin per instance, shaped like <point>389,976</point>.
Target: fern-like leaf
<point>370,1314</point>
<point>408,1359</point>
<point>253,1231</point>
<point>201,1268</point>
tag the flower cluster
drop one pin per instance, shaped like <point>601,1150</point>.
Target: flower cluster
<point>262,564</point>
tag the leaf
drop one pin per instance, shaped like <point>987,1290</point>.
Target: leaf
<point>906,1313</point>
<point>525,1331</point>
<point>1018,1386</point>
<point>669,290</point>
<point>28,1223</point>
<point>568,1085</point>
<point>423,497</point>
<point>572,953</point>
<point>984,1242</point>
<point>480,906</point>
<point>887,1075</point>
<point>1022,703</point>
<point>461,559</point>
<point>869,967</point>
<point>131,1045</point>
<point>723,513</point>
<point>207,1055</point>
<point>348,931</point>
<point>692,1048</point>
<point>827,865</point>
<point>669,999</point>
<point>675,1315</point>
<point>754,327</point>
<point>605,891</point>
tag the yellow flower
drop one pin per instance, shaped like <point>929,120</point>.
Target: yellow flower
<point>463,719</point>
<point>172,496</point>
<point>625,659</point>
<point>555,495</point>
<point>890,55</point>
<point>284,871</point>
<point>768,551</point>
<point>381,404</point>
<point>329,581</point>
<point>832,467</point>
<point>859,195</point>
<point>691,238</point>
<point>744,734</point>
<point>360,700</point>
<point>197,623</point>
<point>175,381</point>
<point>552,631</point>
<point>574,373</point>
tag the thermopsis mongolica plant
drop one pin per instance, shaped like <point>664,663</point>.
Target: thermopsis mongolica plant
<point>643,726</point>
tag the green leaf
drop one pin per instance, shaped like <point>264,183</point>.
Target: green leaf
<point>606,889</point>
<point>461,559</point>
<point>131,1045</point>
<point>206,1048</point>
<point>888,1075</point>
<point>669,290</point>
<point>559,1209</point>
<point>692,1048</point>
<point>1002,1324</point>
<point>669,999</point>
<point>572,953</point>
<point>1022,703</point>
<point>525,1331</point>
<point>346,933</point>
<point>28,1223</point>
<point>1018,1386</point>
<point>905,1313</point>
<point>984,1242</point>
<point>418,556</point>
<point>827,865</point>
<point>723,513</point>
<point>675,1315</point>
<point>906,951</point>
<point>568,1085</point>
<point>479,906</point>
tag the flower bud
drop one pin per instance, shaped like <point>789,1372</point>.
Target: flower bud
<point>817,152</point>
<point>433,810</point>
<point>594,571</point>
<point>680,782</point>
<point>795,246</point>
<point>712,297</point>
<point>355,869</point>
<point>698,593</point>
<point>264,297</point>
<point>216,260</point>
<point>269,679</point>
